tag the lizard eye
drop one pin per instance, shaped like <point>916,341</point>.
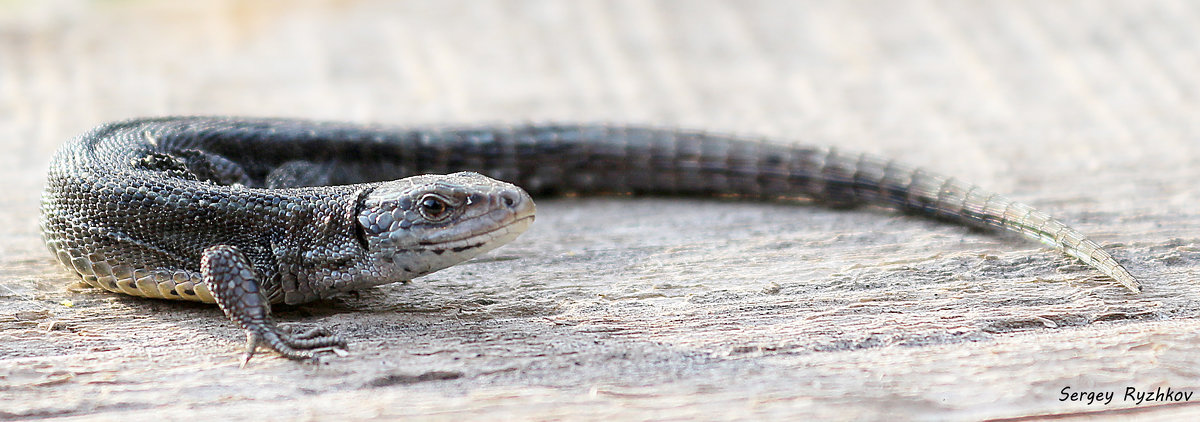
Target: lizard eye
<point>433,208</point>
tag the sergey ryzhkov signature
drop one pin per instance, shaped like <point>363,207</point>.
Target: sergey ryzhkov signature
<point>1131,395</point>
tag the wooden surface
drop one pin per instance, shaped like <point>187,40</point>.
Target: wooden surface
<point>618,308</point>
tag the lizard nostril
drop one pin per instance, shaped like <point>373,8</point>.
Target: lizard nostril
<point>511,199</point>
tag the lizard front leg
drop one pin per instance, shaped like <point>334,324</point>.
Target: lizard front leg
<point>234,284</point>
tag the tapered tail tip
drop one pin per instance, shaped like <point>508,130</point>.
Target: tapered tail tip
<point>1128,280</point>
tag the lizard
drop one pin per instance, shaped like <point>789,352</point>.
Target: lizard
<point>250,212</point>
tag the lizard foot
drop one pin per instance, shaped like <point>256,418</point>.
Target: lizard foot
<point>234,284</point>
<point>299,346</point>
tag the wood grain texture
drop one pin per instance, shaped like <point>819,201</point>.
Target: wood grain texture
<point>652,308</point>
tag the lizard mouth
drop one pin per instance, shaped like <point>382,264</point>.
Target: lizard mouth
<point>488,239</point>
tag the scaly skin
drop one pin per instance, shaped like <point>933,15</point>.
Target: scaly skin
<point>248,212</point>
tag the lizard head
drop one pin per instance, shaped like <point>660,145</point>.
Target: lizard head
<point>421,224</point>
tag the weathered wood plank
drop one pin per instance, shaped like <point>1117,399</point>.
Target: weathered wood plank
<point>1086,109</point>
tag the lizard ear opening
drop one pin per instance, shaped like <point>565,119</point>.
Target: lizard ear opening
<point>360,203</point>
